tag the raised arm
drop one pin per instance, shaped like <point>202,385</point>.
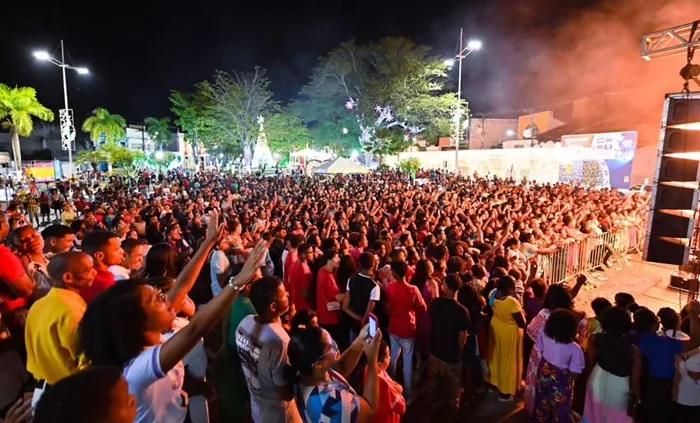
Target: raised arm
<point>186,279</point>
<point>177,347</point>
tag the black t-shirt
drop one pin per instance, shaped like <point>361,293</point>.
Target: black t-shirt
<point>447,319</point>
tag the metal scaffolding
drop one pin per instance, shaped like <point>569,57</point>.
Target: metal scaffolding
<point>670,42</point>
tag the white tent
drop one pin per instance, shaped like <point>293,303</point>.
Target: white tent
<point>341,165</point>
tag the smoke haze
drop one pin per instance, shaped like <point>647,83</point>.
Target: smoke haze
<point>540,62</point>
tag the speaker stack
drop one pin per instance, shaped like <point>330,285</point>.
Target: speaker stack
<point>671,234</point>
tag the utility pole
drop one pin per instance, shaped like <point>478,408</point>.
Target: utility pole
<point>458,119</point>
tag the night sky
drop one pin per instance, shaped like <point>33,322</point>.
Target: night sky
<point>138,51</point>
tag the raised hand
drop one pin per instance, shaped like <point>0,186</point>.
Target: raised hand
<point>254,261</point>
<point>214,229</point>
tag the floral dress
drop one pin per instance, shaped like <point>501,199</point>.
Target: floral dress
<point>533,331</point>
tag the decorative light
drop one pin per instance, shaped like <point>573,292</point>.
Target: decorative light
<point>345,131</point>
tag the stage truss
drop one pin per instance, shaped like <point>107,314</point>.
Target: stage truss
<point>670,42</point>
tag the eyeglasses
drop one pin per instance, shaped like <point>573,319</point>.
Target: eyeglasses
<point>333,350</point>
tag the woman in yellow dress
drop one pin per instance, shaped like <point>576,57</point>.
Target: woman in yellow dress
<point>506,339</point>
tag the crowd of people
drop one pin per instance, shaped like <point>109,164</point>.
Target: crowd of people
<point>220,298</point>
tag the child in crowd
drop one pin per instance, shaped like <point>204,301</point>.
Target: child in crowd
<point>392,404</point>
<point>599,305</point>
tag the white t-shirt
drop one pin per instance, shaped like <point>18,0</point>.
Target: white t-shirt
<point>159,396</point>
<point>262,349</point>
<point>120,272</point>
<point>218,264</point>
<point>688,389</point>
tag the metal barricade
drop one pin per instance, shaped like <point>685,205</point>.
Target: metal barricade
<point>590,253</point>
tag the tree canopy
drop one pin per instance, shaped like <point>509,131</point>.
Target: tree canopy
<point>237,101</point>
<point>193,111</point>
<point>17,107</point>
<point>159,131</point>
<point>392,88</point>
<point>103,124</point>
<point>285,130</point>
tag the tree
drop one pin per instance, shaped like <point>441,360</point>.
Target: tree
<point>411,165</point>
<point>113,154</point>
<point>194,115</point>
<point>330,124</point>
<point>103,125</point>
<point>17,106</point>
<point>237,102</point>
<point>159,131</point>
<point>389,87</point>
<point>285,130</point>
<point>91,157</point>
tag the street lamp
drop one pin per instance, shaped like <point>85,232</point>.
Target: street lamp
<point>472,45</point>
<point>46,57</point>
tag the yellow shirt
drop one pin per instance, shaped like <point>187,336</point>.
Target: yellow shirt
<point>51,335</point>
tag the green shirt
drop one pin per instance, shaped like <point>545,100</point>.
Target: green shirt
<point>241,308</point>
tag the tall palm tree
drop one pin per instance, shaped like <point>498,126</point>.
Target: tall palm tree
<point>159,131</point>
<point>17,106</point>
<point>104,124</point>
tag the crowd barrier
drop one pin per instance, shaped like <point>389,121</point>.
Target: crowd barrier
<point>590,253</point>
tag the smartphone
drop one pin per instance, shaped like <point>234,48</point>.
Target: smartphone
<point>373,325</point>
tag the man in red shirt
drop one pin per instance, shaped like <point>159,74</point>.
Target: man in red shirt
<point>300,279</point>
<point>106,250</point>
<point>404,301</point>
<point>329,298</point>
<point>16,288</point>
<point>290,259</point>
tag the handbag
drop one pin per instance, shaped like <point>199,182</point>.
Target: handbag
<point>634,407</point>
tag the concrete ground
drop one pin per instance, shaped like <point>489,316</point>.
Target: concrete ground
<point>647,282</point>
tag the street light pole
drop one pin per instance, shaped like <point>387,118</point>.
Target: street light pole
<point>66,117</point>
<point>463,52</point>
<point>65,102</point>
<point>459,99</point>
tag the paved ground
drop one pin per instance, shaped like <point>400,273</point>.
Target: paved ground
<point>647,282</point>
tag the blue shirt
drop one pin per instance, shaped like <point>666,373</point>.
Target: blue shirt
<point>332,402</point>
<point>659,352</point>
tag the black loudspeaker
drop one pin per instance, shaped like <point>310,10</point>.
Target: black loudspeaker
<point>675,193</point>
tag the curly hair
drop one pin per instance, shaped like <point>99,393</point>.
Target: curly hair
<point>561,326</point>
<point>111,332</point>
<point>557,296</point>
